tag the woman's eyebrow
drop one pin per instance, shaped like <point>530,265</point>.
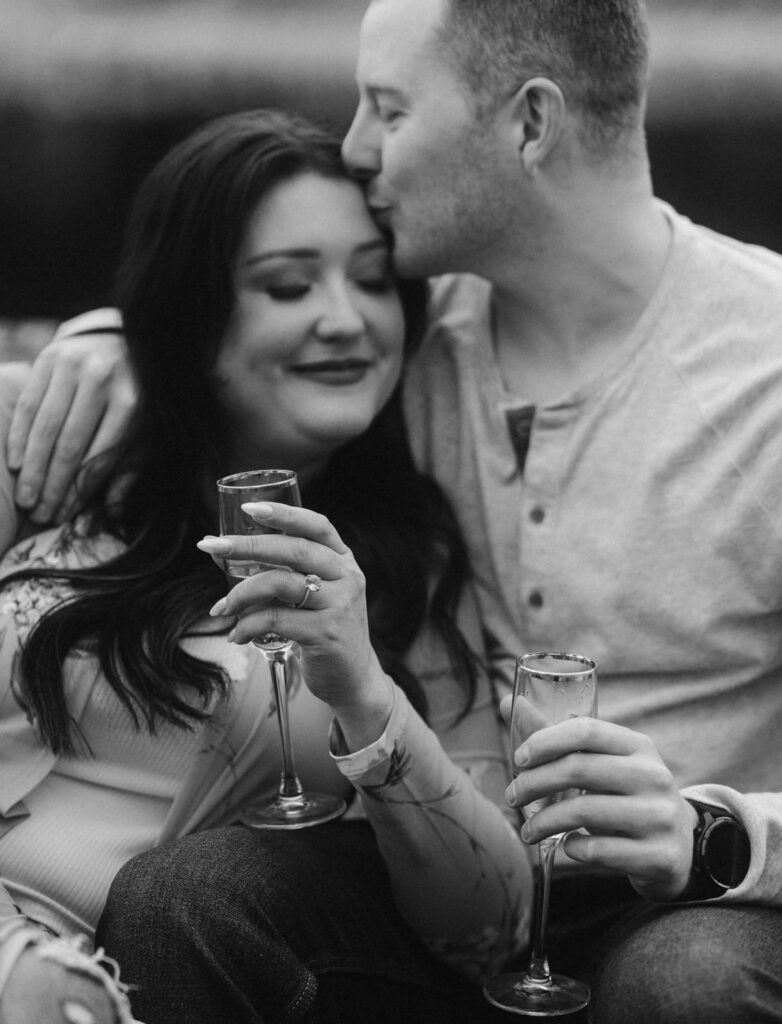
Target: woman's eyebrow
<point>296,254</point>
<point>375,244</point>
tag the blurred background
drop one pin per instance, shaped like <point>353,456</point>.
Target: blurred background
<point>92,92</point>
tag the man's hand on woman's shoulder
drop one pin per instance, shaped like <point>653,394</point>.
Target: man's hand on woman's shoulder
<point>76,403</point>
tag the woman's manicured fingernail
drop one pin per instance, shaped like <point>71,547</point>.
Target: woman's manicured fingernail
<point>215,545</point>
<point>525,831</point>
<point>218,608</point>
<point>258,509</point>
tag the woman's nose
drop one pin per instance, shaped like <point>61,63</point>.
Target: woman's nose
<point>340,317</point>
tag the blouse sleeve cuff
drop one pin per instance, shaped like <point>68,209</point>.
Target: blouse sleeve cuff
<point>359,764</point>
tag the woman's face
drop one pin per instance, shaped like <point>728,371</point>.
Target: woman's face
<point>313,348</point>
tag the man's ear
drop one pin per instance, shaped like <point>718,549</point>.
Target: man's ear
<point>538,115</point>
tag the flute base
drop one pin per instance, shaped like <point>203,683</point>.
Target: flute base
<point>518,993</point>
<point>294,812</point>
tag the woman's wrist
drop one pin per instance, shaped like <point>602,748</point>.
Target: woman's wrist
<point>364,721</point>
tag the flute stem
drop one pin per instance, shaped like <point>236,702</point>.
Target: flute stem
<point>538,970</point>
<point>278,659</point>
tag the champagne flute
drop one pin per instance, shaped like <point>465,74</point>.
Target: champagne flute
<point>556,687</point>
<point>292,807</point>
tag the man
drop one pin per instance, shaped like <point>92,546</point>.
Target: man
<point>598,394</point>
<point>505,140</point>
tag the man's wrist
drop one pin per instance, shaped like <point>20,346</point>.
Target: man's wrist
<point>720,854</point>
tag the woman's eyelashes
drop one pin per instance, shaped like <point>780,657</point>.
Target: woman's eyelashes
<point>369,272</point>
<point>287,292</point>
<point>379,285</point>
<point>372,273</point>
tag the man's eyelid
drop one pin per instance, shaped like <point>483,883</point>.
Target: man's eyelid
<point>385,95</point>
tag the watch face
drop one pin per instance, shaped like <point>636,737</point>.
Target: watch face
<point>725,852</point>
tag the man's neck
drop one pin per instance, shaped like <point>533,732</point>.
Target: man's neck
<point>562,315</point>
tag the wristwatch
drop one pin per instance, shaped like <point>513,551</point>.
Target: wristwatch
<point>720,854</point>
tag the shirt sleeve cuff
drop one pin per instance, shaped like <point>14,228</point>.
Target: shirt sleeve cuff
<point>357,765</point>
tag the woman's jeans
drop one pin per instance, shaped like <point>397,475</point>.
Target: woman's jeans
<point>242,927</point>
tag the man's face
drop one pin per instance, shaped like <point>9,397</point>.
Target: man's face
<point>433,170</point>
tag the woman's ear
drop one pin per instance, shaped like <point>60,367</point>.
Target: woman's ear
<point>538,115</point>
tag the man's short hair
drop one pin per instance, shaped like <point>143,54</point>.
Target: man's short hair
<point>596,51</point>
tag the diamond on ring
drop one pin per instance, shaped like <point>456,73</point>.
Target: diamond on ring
<point>312,584</point>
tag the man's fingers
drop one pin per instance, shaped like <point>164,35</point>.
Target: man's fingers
<point>77,432</point>
<point>60,365</point>
<point>80,409</point>
<point>27,405</point>
<point>42,436</point>
<point>114,424</point>
<point>527,719</point>
<point>582,734</point>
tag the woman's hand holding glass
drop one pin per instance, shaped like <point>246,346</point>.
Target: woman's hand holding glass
<point>339,664</point>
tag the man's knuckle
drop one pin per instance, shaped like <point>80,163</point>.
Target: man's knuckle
<point>125,394</point>
<point>31,479</point>
<point>26,406</point>
<point>578,770</point>
<point>46,432</point>
<point>659,777</point>
<point>69,450</point>
<point>96,369</point>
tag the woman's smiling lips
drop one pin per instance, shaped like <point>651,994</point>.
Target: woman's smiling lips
<point>334,371</point>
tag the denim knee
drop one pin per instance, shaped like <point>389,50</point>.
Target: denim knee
<point>195,922</point>
<point>693,965</point>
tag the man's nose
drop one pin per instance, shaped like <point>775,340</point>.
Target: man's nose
<point>361,146</point>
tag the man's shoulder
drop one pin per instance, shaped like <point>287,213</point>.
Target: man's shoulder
<point>729,265</point>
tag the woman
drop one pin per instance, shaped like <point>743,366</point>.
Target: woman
<point>265,329</point>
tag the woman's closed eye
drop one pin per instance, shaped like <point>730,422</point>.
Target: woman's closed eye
<point>376,284</point>
<point>287,292</point>
<point>370,270</point>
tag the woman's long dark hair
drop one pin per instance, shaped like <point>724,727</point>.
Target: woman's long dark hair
<point>176,293</point>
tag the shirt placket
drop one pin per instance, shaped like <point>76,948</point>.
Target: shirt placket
<point>541,547</point>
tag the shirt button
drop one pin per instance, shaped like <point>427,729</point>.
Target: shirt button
<point>535,599</point>
<point>537,515</point>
